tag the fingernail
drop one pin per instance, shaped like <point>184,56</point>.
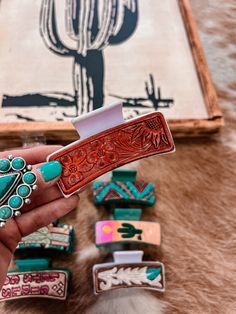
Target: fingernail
<point>50,170</point>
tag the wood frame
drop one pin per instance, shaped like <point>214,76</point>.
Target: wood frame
<point>198,127</point>
<point>56,130</point>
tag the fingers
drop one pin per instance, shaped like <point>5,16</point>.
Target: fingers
<point>10,235</point>
<point>4,262</point>
<point>32,155</point>
<point>42,177</point>
<point>38,199</point>
<point>42,216</point>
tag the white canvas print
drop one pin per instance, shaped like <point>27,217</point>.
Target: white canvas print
<point>63,58</point>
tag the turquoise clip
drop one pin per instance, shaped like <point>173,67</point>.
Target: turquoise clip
<point>124,189</point>
<point>36,264</point>
<point>124,175</point>
<point>127,213</point>
<point>33,264</point>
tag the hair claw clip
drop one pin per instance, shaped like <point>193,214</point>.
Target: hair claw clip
<point>128,271</point>
<point>127,229</point>
<point>34,278</point>
<point>55,237</point>
<point>107,142</point>
<point>123,188</point>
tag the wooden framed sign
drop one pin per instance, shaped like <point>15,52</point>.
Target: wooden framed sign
<point>63,58</point>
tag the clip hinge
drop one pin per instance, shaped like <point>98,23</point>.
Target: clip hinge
<point>124,175</point>
<point>99,120</point>
<point>33,264</point>
<point>121,257</point>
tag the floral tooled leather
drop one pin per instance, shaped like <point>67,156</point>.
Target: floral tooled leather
<point>86,160</point>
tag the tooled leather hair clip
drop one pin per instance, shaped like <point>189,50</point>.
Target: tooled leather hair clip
<point>107,142</point>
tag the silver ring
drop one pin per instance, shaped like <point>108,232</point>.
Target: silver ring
<point>17,182</point>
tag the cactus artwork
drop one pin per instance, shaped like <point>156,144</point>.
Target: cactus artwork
<point>129,231</point>
<point>91,25</point>
<point>64,58</point>
<point>153,97</point>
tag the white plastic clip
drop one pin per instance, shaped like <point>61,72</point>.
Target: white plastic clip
<point>97,121</point>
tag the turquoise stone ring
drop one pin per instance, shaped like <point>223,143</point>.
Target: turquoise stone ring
<point>17,182</point>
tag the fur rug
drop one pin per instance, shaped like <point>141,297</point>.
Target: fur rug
<point>196,208</point>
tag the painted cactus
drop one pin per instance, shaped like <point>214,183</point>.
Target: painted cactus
<point>93,25</point>
<point>129,231</point>
<point>129,276</point>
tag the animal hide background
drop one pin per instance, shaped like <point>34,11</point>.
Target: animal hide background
<point>195,190</point>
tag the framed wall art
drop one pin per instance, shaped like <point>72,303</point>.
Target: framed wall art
<point>62,58</point>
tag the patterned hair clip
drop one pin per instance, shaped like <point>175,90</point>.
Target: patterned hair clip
<point>53,237</point>
<point>107,142</point>
<point>125,228</point>
<point>34,278</point>
<point>128,271</point>
<point>123,188</point>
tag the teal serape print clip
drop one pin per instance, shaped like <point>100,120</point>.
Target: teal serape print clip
<point>124,188</point>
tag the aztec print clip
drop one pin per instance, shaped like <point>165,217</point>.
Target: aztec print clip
<point>107,142</point>
<point>124,188</point>
<point>34,278</point>
<point>53,237</point>
<point>128,271</point>
<point>127,229</point>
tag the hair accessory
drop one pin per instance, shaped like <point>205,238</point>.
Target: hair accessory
<point>35,279</point>
<point>55,237</point>
<point>106,142</point>
<point>128,271</point>
<point>123,188</point>
<point>127,231</point>
<point>17,182</point>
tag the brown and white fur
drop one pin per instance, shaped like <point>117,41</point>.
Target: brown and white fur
<point>195,205</point>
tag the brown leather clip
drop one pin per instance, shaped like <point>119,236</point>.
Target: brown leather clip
<point>128,271</point>
<point>85,160</point>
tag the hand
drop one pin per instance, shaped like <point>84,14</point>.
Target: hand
<point>47,203</point>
